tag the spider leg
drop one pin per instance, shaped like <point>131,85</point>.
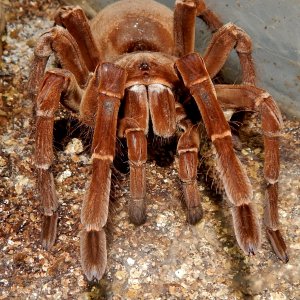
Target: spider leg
<point>236,183</point>
<point>223,41</point>
<point>55,83</point>
<point>208,16</point>
<point>185,14</point>
<point>255,99</point>
<point>95,205</point>
<point>187,149</point>
<point>76,22</point>
<point>226,38</point>
<point>134,126</point>
<point>59,41</point>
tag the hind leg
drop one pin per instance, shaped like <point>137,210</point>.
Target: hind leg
<point>255,99</point>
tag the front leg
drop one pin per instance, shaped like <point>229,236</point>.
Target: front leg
<point>95,205</point>
<point>236,183</point>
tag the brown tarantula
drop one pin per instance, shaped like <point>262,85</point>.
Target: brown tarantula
<point>142,55</point>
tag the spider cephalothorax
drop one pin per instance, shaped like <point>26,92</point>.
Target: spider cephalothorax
<point>140,53</point>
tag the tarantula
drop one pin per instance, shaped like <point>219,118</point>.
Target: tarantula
<point>141,55</point>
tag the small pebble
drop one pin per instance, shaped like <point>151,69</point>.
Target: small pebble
<point>130,261</point>
<point>180,273</point>
<point>74,146</point>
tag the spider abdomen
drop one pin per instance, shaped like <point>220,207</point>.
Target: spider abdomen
<point>147,26</point>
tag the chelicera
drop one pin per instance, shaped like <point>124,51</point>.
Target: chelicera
<point>140,56</point>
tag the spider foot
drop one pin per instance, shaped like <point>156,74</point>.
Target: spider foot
<point>137,211</point>
<point>93,253</point>
<point>192,200</point>
<point>194,214</point>
<point>246,228</point>
<point>49,230</point>
<point>251,249</point>
<point>278,244</point>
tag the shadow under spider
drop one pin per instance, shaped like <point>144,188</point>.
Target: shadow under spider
<point>65,129</point>
<point>239,268</point>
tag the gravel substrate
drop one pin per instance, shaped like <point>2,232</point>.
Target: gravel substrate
<point>166,258</point>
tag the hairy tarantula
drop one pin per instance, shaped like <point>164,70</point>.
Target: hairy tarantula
<point>141,55</point>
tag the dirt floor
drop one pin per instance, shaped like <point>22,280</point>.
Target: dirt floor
<point>165,258</point>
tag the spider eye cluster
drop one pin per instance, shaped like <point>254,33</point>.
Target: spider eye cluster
<point>144,66</point>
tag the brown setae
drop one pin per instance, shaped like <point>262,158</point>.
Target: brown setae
<point>132,66</point>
